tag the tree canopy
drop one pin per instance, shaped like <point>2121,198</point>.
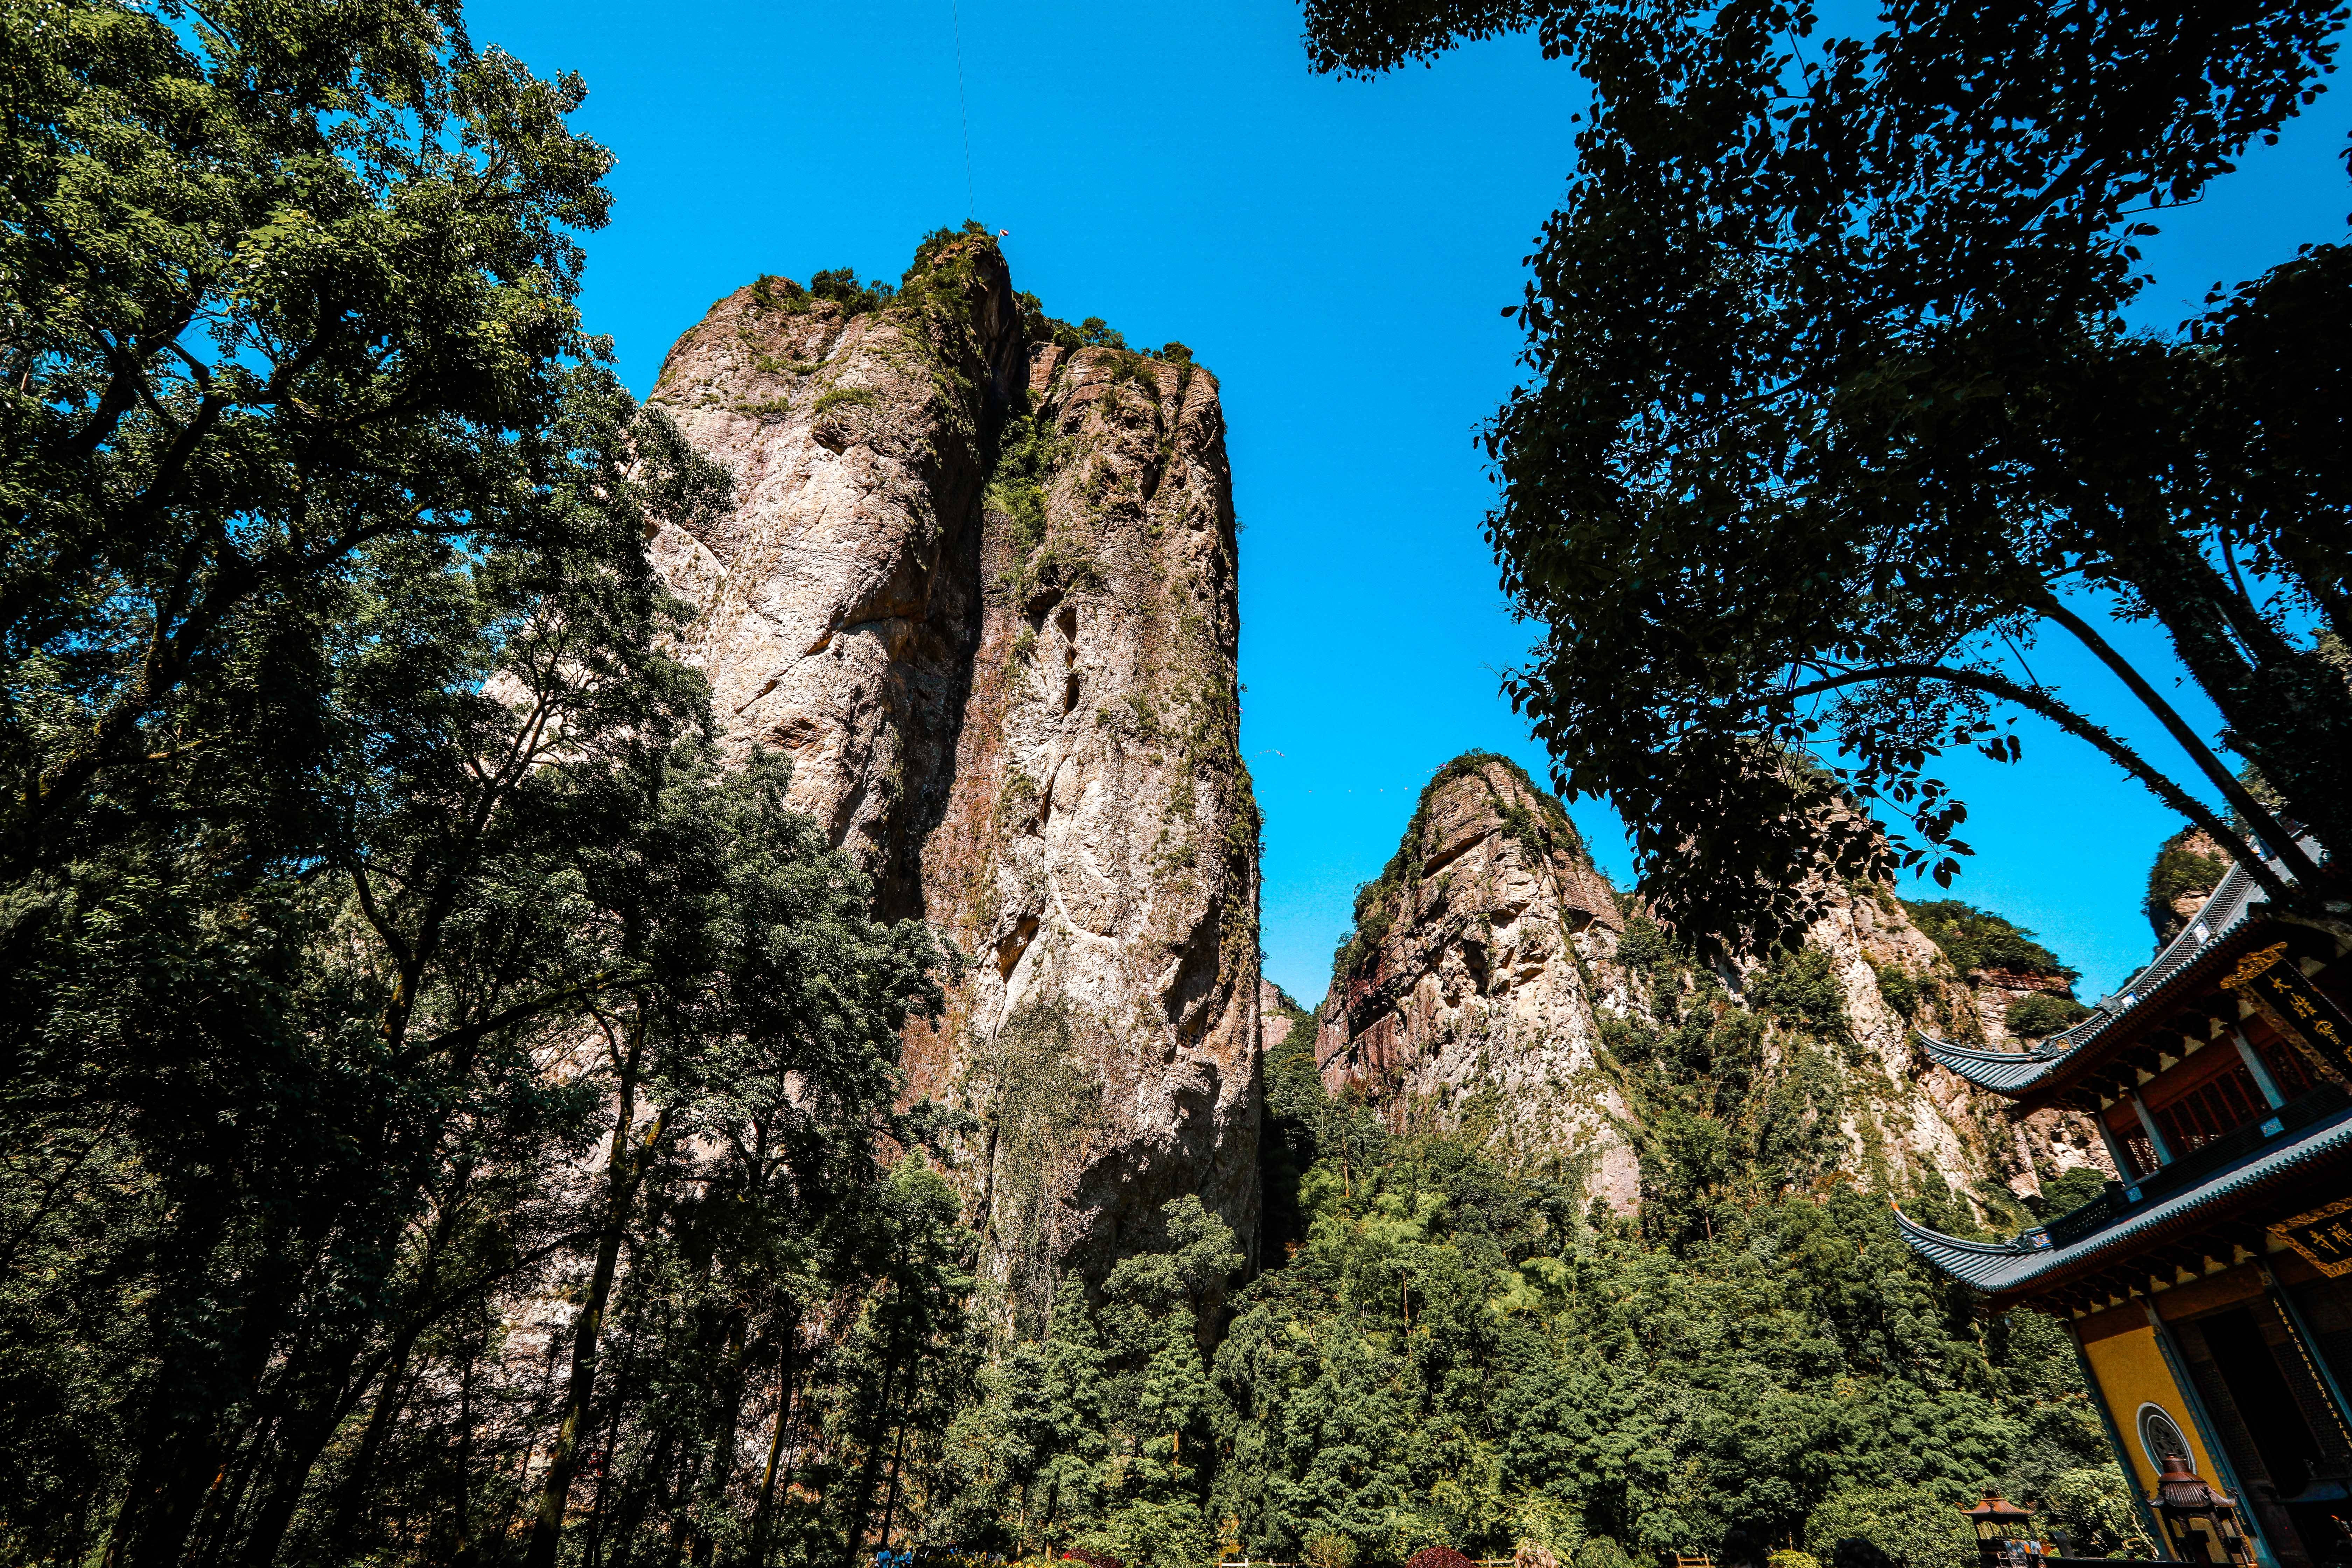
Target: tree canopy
<point>1832,412</point>
<point>387,947</point>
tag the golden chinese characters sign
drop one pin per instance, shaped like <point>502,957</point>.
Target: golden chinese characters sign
<point>2323,1236</point>
<point>2282,992</point>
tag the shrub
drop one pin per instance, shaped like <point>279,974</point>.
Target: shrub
<point>769,292</point>
<point>2185,868</point>
<point>851,397</point>
<point>939,239</point>
<point>1038,327</point>
<point>839,284</point>
<point>1799,991</point>
<point>1601,1551</point>
<point>2041,1014</point>
<point>1095,332</point>
<point>1644,945</point>
<point>1902,1526</point>
<point>1979,939</point>
<point>2072,1189</point>
<point>1898,987</point>
<point>2092,1507</point>
<point>1330,1550</point>
<point>1793,1559</point>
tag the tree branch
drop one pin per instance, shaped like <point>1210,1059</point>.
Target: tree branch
<point>2268,828</point>
<point>2074,724</point>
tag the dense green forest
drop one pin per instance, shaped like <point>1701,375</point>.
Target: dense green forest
<point>1448,1353</point>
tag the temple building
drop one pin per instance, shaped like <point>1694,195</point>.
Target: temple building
<point>2209,1289</point>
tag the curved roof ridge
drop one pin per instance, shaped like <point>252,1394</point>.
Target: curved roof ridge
<point>2004,1072</point>
<point>1984,1053</point>
<point>2226,909</point>
<point>1995,1268</point>
<point>2015,1247</point>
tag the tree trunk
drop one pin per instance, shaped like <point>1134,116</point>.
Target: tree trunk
<point>869,1470</point>
<point>765,1509</point>
<point>2288,713</point>
<point>722,1448</point>
<point>187,1440</point>
<point>625,1170</point>
<point>890,1495</point>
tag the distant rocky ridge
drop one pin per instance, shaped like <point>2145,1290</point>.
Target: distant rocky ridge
<point>979,585</point>
<point>1490,969</point>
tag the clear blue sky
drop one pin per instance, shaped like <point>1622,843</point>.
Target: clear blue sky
<point>1339,253</point>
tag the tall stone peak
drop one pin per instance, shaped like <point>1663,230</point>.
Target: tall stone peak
<point>1496,983</point>
<point>1461,1000</point>
<point>981,590</point>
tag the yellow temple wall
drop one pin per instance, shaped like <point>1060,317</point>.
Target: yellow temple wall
<point>2132,1372</point>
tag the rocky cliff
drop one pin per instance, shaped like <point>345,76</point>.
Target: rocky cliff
<point>1898,969</point>
<point>1494,982</point>
<point>979,584</point>
<point>1466,997</point>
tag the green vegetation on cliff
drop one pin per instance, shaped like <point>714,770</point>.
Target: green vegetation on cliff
<point>1442,1354</point>
<point>1975,939</point>
<point>1541,832</point>
<point>2185,868</point>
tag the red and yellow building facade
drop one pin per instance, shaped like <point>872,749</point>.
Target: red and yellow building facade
<point>2209,1289</point>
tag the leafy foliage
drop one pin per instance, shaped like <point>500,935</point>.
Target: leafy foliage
<point>2035,1017</point>
<point>389,953</point>
<point>1881,1526</point>
<point>1832,410</point>
<point>1439,1354</point>
<point>1800,989</point>
<point>2182,869</point>
<point>1975,939</point>
<point>840,285</point>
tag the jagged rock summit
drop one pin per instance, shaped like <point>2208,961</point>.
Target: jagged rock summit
<point>1496,984</point>
<point>979,584</point>
<point>1464,997</point>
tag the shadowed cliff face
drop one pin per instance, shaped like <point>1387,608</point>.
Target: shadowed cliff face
<point>986,602</point>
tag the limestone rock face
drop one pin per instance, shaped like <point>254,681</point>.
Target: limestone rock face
<point>839,598</point>
<point>1274,1028</point>
<point>1914,1115</point>
<point>1463,999</point>
<point>985,599</point>
<point>1490,965</point>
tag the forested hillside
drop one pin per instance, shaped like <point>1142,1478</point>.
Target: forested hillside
<point>1448,1354</point>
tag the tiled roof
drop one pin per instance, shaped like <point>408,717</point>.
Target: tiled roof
<point>2003,1072</point>
<point>1997,1267</point>
<point>2013,1073</point>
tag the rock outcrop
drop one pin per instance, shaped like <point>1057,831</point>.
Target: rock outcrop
<point>1465,999</point>
<point>1496,983</point>
<point>1273,1011</point>
<point>1912,1117</point>
<point>981,590</point>
<point>2188,866</point>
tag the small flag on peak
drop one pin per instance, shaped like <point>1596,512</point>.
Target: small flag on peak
<point>1003,233</point>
